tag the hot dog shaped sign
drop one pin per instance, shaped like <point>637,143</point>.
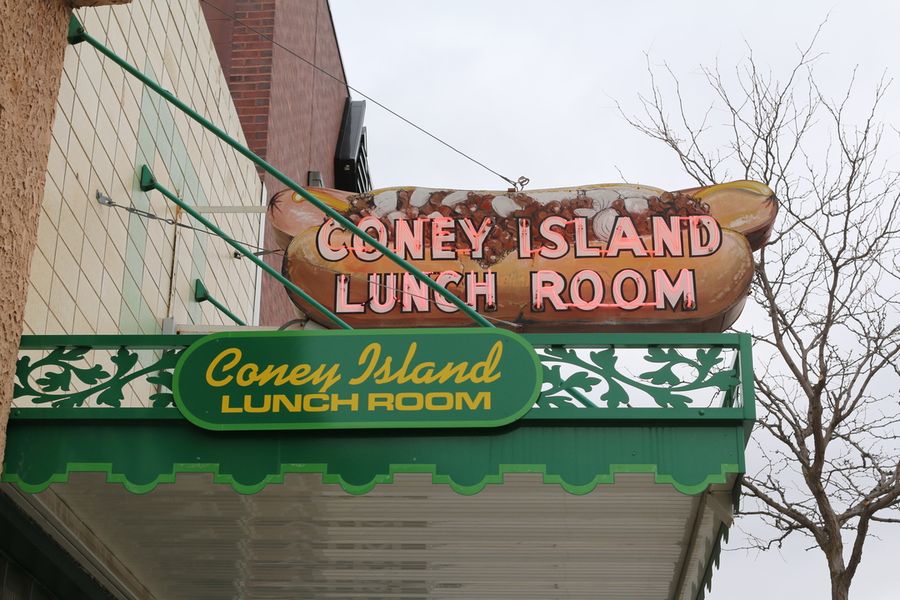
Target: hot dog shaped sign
<point>613,257</point>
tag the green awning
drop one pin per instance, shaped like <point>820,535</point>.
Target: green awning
<point>142,448</point>
<point>582,496</point>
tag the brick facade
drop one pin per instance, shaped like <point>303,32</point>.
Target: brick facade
<point>290,111</point>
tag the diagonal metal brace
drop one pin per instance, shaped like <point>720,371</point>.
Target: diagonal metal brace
<point>284,179</point>
<point>148,182</point>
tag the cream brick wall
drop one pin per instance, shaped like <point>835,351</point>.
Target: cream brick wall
<point>102,270</point>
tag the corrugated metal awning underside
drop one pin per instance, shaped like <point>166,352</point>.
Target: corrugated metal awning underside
<point>193,539</point>
<point>618,510</point>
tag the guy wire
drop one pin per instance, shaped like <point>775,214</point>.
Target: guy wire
<point>520,183</point>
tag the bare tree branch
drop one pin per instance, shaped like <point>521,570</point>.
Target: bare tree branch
<point>828,282</point>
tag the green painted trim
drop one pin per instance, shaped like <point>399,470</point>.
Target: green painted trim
<point>647,414</point>
<point>498,478</point>
<point>748,399</point>
<point>142,453</point>
<point>688,448</point>
<point>75,33</point>
<point>744,413</point>
<point>595,416</point>
<point>95,414</point>
<point>107,341</point>
<point>641,340</point>
<point>739,341</point>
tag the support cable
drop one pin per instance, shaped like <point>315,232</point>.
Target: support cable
<point>145,214</point>
<point>519,183</point>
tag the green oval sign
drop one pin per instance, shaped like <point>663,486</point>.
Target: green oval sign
<point>357,379</point>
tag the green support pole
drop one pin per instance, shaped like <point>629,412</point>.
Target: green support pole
<point>77,34</point>
<point>149,182</point>
<point>201,294</point>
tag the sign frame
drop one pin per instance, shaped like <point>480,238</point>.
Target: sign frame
<point>529,398</point>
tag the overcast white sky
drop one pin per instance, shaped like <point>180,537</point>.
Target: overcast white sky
<point>529,88</point>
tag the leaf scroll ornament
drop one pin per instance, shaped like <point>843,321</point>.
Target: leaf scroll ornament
<point>663,384</point>
<point>60,369</point>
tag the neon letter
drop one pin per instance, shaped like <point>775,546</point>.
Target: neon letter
<point>624,236</point>
<point>640,289</point>
<point>596,282</point>
<point>669,292</point>
<point>323,242</point>
<point>713,235</point>
<point>547,285</point>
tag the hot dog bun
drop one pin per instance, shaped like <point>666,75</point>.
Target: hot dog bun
<point>289,213</point>
<point>749,207</point>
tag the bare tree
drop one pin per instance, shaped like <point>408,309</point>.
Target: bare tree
<point>828,353</point>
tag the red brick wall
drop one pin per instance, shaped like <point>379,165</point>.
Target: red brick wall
<point>221,28</point>
<point>290,112</point>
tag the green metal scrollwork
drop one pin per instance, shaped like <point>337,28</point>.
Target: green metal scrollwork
<point>662,384</point>
<point>579,371</point>
<point>60,371</point>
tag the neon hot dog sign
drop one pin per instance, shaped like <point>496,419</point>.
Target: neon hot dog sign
<point>609,257</point>
<point>629,289</point>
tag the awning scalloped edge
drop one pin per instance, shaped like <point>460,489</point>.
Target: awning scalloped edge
<point>113,476</point>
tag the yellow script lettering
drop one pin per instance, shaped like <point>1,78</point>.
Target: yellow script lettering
<point>487,366</point>
<point>373,348</point>
<point>210,371</point>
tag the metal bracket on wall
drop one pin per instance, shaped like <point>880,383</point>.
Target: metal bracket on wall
<point>201,294</point>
